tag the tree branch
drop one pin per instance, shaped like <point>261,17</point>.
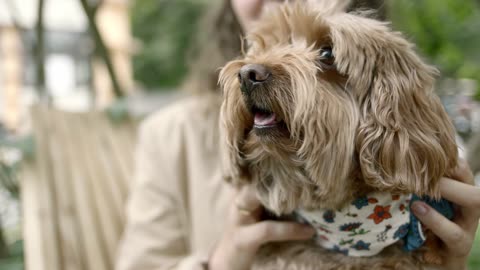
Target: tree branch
<point>101,48</point>
<point>40,52</point>
<point>96,7</point>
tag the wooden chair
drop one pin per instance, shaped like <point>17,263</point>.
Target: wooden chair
<point>73,193</point>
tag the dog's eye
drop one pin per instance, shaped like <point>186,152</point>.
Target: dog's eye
<point>326,56</point>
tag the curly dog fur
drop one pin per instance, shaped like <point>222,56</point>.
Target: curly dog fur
<point>362,119</point>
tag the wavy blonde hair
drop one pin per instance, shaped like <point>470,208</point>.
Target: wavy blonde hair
<point>218,41</point>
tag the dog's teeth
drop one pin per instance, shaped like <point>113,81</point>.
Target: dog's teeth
<point>262,119</point>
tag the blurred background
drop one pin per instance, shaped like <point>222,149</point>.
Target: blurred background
<point>76,76</point>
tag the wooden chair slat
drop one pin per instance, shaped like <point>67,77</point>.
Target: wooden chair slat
<point>74,192</point>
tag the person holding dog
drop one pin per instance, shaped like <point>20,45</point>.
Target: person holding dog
<point>182,215</point>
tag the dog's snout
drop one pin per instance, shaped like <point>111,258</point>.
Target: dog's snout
<point>255,73</point>
<point>252,75</point>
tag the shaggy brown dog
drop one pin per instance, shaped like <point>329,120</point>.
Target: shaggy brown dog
<point>326,107</point>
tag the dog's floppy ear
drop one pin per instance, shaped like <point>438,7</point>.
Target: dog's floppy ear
<point>234,168</point>
<point>405,140</point>
<point>232,129</point>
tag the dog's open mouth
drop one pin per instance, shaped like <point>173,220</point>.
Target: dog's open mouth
<point>264,119</point>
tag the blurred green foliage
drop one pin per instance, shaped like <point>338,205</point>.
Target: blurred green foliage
<point>165,29</point>
<point>8,171</point>
<point>15,260</point>
<point>445,31</point>
<point>118,111</point>
<point>25,144</point>
<point>474,260</point>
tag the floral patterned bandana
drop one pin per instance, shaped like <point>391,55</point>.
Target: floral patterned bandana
<point>369,224</point>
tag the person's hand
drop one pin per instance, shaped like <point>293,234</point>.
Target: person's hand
<point>245,233</point>
<point>458,234</point>
<point>247,11</point>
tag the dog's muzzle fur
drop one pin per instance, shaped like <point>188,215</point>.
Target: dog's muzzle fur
<point>326,106</point>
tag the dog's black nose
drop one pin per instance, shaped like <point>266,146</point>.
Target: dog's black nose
<point>252,75</point>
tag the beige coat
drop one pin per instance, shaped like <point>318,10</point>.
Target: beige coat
<point>178,201</point>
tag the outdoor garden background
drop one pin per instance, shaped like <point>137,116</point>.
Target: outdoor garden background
<point>118,60</point>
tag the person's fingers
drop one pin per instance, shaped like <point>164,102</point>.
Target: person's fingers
<point>450,233</point>
<point>462,194</point>
<point>463,172</point>
<point>263,232</point>
<point>247,198</point>
<point>246,206</point>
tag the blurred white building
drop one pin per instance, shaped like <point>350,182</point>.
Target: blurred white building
<point>70,64</point>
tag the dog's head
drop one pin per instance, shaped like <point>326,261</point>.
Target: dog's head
<point>324,98</point>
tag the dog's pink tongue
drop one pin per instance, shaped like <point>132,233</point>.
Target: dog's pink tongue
<point>263,119</point>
